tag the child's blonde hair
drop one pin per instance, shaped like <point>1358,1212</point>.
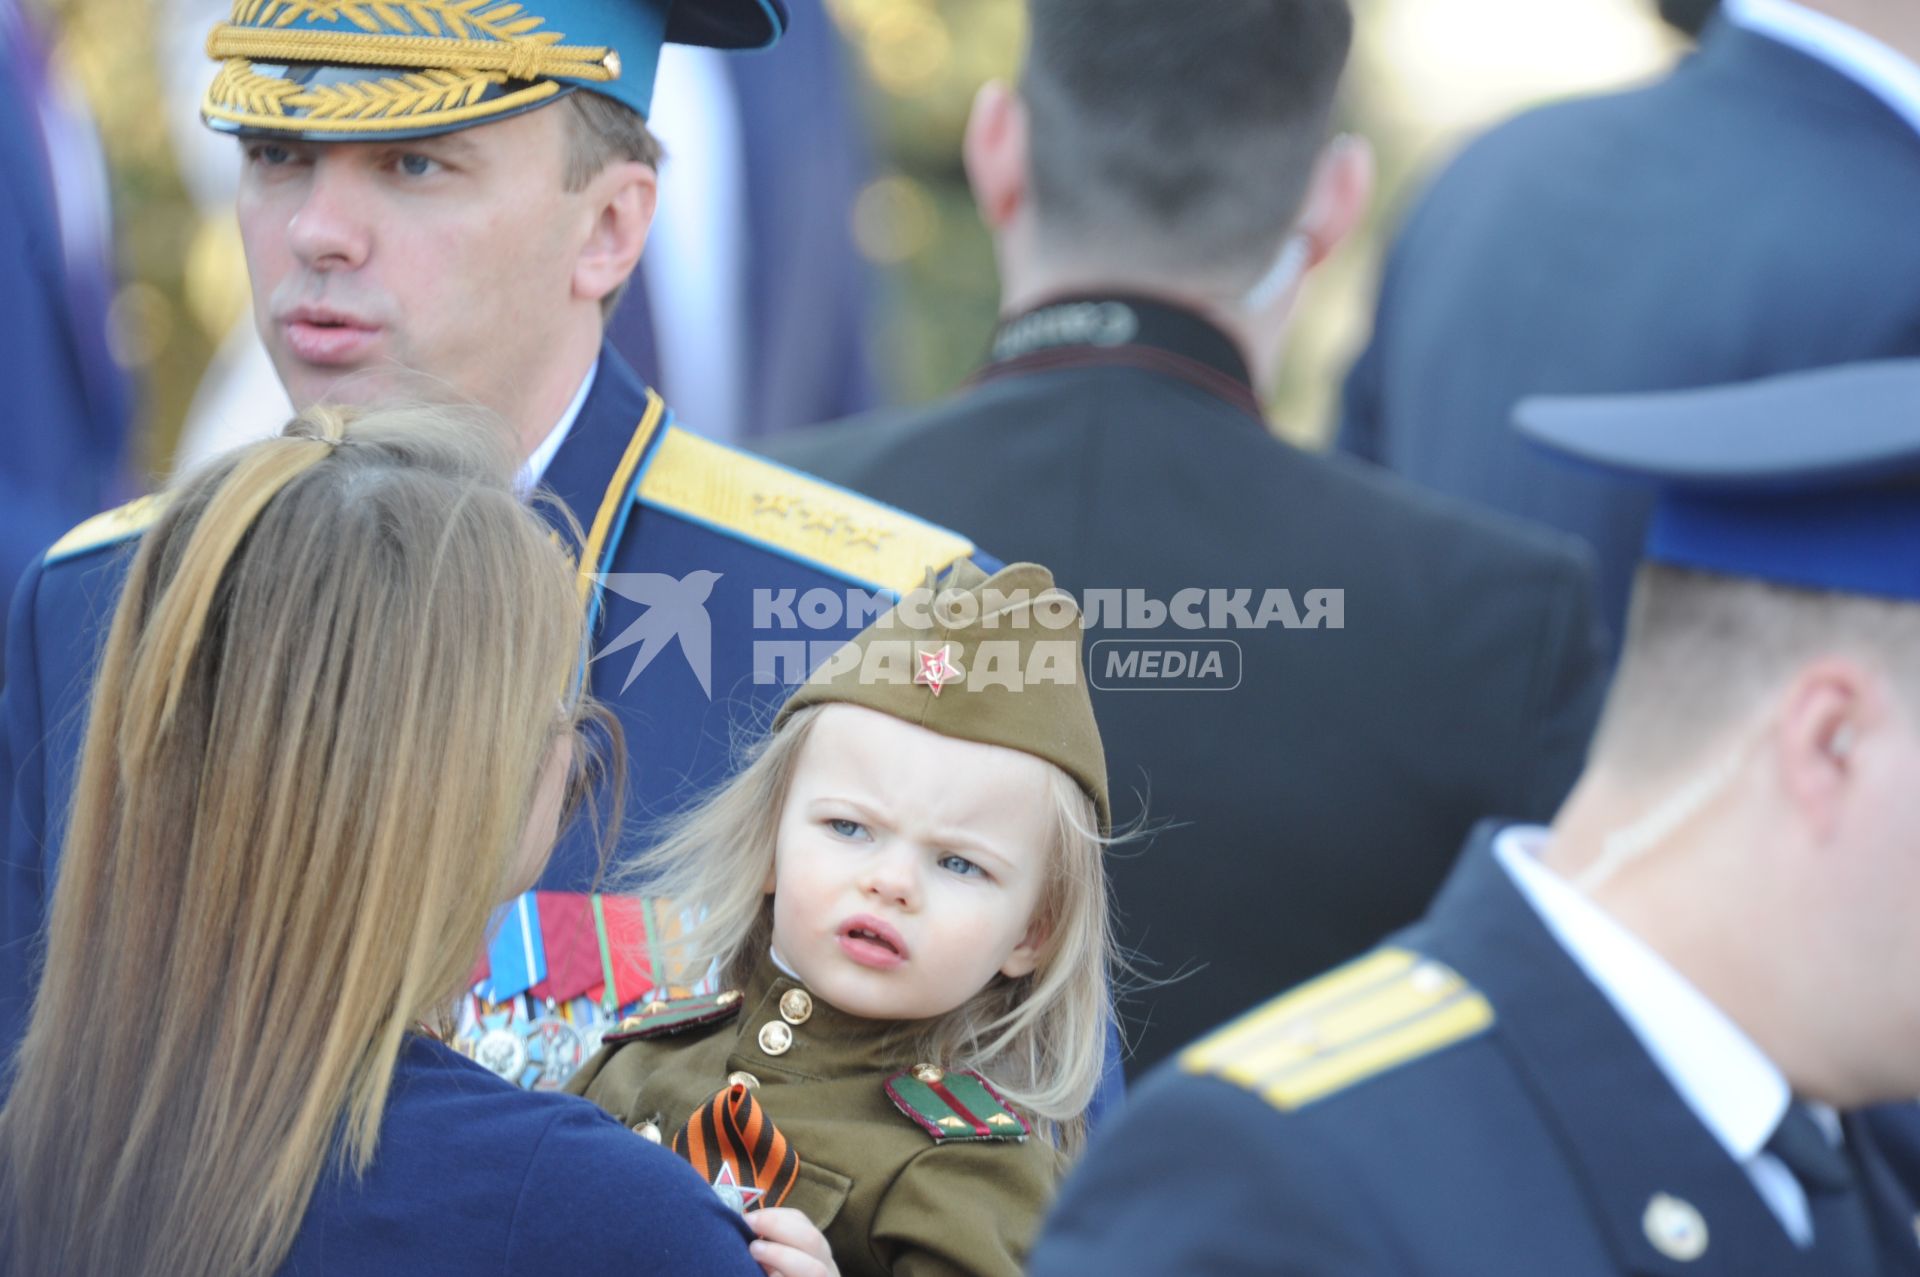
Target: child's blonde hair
<point>339,666</point>
<point>1040,1039</point>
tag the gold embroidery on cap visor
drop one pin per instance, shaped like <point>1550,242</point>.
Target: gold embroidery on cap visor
<point>431,64</point>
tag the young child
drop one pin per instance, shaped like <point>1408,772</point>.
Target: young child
<point>903,896</point>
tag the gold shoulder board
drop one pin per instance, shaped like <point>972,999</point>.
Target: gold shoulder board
<point>793,513</point>
<point>110,528</point>
<point>1375,1014</point>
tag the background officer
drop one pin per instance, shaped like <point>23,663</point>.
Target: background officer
<point>1737,218</point>
<point>56,276</point>
<point>1155,187</point>
<point>437,201</point>
<point>1640,1041</point>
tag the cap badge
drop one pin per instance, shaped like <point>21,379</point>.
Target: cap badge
<point>937,668</point>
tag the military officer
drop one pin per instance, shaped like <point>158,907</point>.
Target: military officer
<point>444,198</point>
<point>1647,1039</point>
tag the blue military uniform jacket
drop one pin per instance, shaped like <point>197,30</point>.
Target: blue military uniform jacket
<point>723,574</point>
<point>1744,216</point>
<point>1461,1101</point>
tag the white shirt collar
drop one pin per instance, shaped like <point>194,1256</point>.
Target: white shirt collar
<point>1877,67</point>
<point>536,465</point>
<point>781,963</point>
<point>1728,1082</point>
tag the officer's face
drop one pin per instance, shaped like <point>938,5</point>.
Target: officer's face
<point>429,268</point>
<point>909,865</point>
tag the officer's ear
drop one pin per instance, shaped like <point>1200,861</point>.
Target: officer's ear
<point>620,200</point>
<point>995,151</point>
<point>1832,712</point>
<point>1338,196</point>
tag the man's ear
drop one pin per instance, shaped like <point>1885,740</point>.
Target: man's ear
<point>1338,196</point>
<point>622,197</point>
<point>996,154</point>
<point>1831,711</point>
<point>1025,958</point>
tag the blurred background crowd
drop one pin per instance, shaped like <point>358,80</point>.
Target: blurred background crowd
<point>1425,76</point>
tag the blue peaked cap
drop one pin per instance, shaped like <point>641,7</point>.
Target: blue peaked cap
<point>359,70</point>
<point>1809,479</point>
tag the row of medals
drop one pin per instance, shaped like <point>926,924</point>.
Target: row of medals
<point>540,1053</point>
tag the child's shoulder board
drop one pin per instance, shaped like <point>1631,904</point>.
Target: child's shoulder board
<point>954,1107</point>
<point>663,1019</point>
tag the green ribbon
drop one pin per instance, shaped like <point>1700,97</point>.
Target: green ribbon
<point>610,1000</point>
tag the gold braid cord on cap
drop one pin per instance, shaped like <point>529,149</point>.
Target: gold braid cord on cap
<point>462,48</point>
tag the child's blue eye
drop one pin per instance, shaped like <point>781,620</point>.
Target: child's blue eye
<point>961,865</point>
<point>847,828</point>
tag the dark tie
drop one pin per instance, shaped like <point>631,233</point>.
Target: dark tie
<point>1843,1244</point>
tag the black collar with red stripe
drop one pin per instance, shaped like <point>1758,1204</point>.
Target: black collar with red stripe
<point>1119,330</point>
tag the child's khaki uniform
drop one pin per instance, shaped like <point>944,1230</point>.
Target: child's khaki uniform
<point>908,1186</point>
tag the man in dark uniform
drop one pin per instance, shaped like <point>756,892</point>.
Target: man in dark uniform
<point>1641,1041</point>
<point>1314,676</point>
<point>1739,217</point>
<point>456,222</point>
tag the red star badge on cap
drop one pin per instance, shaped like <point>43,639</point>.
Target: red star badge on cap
<point>937,668</point>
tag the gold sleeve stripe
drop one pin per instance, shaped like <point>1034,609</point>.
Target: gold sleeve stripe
<point>113,526</point>
<point>1372,1015</point>
<point>617,489</point>
<point>1452,1022</point>
<point>817,523</point>
<point>1277,1018</point>
<point>1304,1039</point>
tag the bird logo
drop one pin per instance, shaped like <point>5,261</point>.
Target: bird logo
<point>676,609</point>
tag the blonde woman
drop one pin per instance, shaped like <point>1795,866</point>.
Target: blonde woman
<point>335,723</point>
<point>903,893</point>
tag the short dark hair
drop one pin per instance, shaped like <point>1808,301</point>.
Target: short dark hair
<point>601,131</point>
<point>1689,17</point>
<point>1186,129</point>
<point>1703,651</point>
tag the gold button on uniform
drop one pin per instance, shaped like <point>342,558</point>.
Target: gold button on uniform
<point>796,1007</point>
<point>649,1131</point>
<point>928,1073</point>
<point>745,1079</point>
<point>775,1037</point>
